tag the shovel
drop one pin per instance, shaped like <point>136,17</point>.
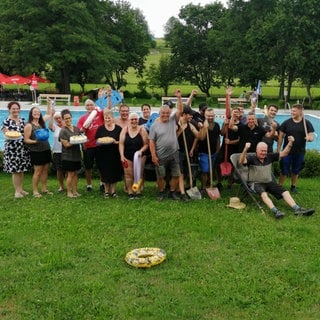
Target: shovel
<point>226,167</point>
<point>193,192</point>
<point>213,192</point>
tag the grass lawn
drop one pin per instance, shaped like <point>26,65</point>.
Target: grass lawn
<point>64,258</point>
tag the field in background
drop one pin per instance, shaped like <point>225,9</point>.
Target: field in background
<point>270,90</point>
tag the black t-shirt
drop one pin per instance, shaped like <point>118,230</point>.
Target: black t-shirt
<point>296,129</point>
<point>265,123</point>
<point>254,136</point>
<point>214,137</point>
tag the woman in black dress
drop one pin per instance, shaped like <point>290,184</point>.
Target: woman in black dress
<point>108,157</point>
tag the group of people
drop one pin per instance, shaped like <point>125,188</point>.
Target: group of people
<point>166,140</point>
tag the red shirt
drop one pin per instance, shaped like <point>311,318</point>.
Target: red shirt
<point>91,131</point>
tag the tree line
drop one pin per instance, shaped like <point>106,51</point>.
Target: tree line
<point>98,41</point>
<point>73,41</point>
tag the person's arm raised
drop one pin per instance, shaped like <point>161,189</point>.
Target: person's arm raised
<point>243,156</point>
<point>179,104</point>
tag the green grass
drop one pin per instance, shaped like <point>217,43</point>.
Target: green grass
<point>64,258</point>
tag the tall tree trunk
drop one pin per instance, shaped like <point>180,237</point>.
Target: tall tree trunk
<point>64,85</point>
<point>281,87</point>
<point>309,94</point>
<point>290,80</point>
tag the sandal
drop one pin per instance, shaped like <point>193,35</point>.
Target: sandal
<point>37,195</point>
<point>47,192</point>
<point>18,195</point>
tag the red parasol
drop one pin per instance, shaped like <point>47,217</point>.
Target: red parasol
<point>38,78</point>
<point>17,79</point>
<point>4,78</point>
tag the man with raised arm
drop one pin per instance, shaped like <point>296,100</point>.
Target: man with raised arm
<point>302,131</point>
<point>164,147</point>
<point>261,181</point>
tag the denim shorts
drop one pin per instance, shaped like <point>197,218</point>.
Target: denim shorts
<point>204,162</point>
<point>292,163</point>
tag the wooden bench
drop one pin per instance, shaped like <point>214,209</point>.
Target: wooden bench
<point>173,100</point>
<point>233,100</point>
<point>57,97</point>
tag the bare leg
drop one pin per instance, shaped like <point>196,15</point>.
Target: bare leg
<point>36,178</point>
<point>204,180</point>
<point>69,184</point>
<point>60,177</point>
<point>88,174</point>
<point>174,183</point>
<point>181,184</point>
<point>44,177</point>
<point>288,199</point>
<point>161,184</point>
<point>294,179</point>
<point>75,183</point>
<point>282,179</point>
<point>17,179</point>
<point>265,198</point>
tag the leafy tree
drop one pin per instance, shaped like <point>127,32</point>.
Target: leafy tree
<point>162,75</point>
<point>126,32</point>
<point>73,39</point>
<point>196,60</point>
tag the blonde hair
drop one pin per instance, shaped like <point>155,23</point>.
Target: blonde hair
<point>133,114</point>
<point>57,114</point>
<point>108,113</point>
<point>89,100</point>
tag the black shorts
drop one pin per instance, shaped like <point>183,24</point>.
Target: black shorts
<point>183,162</point>
<point>272,187</point>
<point>40,158</point>
<point>89,155</point>
<point>71,165</point>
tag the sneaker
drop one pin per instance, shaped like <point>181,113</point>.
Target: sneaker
<point>106,195</point>
<point>130,197</point>
<point>304,212</point>
<point>293,189</point>
<point>138,196</point>
<point>89,188</point>
<point>173,196</point>
<point>279,214</point>
<point>114,195</point>
<point>160,196</point>
<point>184,197</point>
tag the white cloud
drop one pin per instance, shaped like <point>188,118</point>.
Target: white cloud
<point>157,13</point>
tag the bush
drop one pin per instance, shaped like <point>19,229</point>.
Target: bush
<point>311,168</point>
<point>312,165</point>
